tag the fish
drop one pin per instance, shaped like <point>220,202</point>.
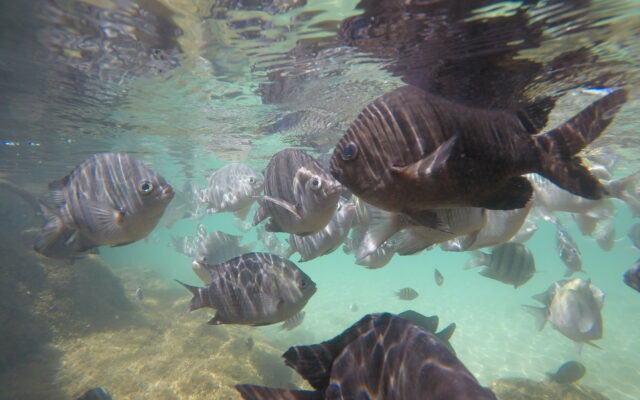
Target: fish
<point>138,294</point>
<point>210,248</point>
<point>382,356</point>
<point>232,188</point>
<point>437,276</point>
<point>95,394</point>
<point>605,235</point>
<point>632,276</point>
<point>110,199</point>
<point>249,343</point>
<point>329,238</point>
<point>634,235</point>
<point>293,322</point>
<point>254,289</point>
<point>411,151</point>
<point>407,294</point>
<point>510,263</point>
<point>300,197</point>
<point>526,232</point>
<point>378,258</point>
<point>568,250</point>
<point>184,205</point>
<point>573,308</point>
<point>353,307</point>
<point>569,372</point>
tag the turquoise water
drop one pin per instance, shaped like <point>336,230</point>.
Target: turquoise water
<point>189,118</point>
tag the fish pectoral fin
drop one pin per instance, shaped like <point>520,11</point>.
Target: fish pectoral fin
<point>104,218</point>
<point>514,194</point>
<point>254,392</point>
<point>292,208</point>
<point>428,165</point>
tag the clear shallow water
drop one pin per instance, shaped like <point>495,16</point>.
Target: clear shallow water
<point>203,104</point>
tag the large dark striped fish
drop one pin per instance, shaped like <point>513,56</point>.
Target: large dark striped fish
<point>510,263</point>
<point>299,196</point>
<point>410,151</point>
<point>382,356</point>
<point>253,289</point>
<point>109,199</point>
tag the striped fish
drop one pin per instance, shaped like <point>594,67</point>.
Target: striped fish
<point>409,151</point>
<point>109,199</point>
<point>299,196</point>
<point>407,294</point>
<point>510,263</point>
<point>382,356</point>
<point>253,289</point>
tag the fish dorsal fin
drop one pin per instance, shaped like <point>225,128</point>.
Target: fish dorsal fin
<point>427,323</point>
<point>314,362</point>
<point>516,193</point>
<point>429,165</point>
<point>533,117</point>
<point>253,392</point>
<point>446,333</point>
<point>292,208</point>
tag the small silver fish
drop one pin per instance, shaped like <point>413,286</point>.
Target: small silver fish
<point>605,235</point>
<point>510,263</point>
<point>109,199</point>
<point>438,277</point>
<point>138,294</point>
<point>568,250</point>
<point>573,308</point>
<point>253,289</point>
<point>329,238</point>
<point>232,188</point>
<point>299,196</point>
<point>407,294</point>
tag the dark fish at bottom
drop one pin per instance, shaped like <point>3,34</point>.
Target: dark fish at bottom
<point>569,372</point>
<point>95,394</point>
<point>382,356</point>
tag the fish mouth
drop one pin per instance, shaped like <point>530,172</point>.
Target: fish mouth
<point>333,189</point>
<point>167,193</point>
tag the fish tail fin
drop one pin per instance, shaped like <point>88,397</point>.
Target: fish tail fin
<point>196,301</point>
<point>559,147</point>
<point>382,225</point>
<point>254,392</point>
<point>540,314</point>
<point>624,189</point>
<point>478,258</point>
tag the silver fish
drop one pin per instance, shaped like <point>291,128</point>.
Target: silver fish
<point>253,289</point>
<point>573,308</point>
<point>510,263</point>
<point>437,276</point>
<point>329,238</point>
<point>632,276</point>
<point>293,322</point>
<point>526,232</point>
<point>634,235</point>
<point>605,235</point>
<point>568,250</point>
<point>299,196</point>
<point>109,199</point>
<point>379,257</point>
<point>232,188</point>
<point>382,356</point>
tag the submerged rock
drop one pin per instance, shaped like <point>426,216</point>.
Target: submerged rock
<point>527,389</point>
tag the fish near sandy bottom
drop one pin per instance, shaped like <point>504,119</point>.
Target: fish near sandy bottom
<point>410,151</point>
<point>573,308</point>
<point>632,276</point>
<point>253,289</point>
<point>382,356</point>
<point>510,263</point>
<point>232,188</point>
<point>109,199</point>
<point>299,196</point>
<point>569,372</point>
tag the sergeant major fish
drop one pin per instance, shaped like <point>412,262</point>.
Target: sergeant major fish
<point>109,199</point>
<point>382,356</point>
<point>253,289</point>
<point>409,151</point>
<point>567,250</point>
<point>232,188</point>
<point>510,263</point>
<point>299,196</point>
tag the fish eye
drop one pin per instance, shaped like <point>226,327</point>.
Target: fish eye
<point>315,183</point>
<point>252,180</point>
<point>349,151</point>
<point>146,187</point>
<point>303,283</point>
